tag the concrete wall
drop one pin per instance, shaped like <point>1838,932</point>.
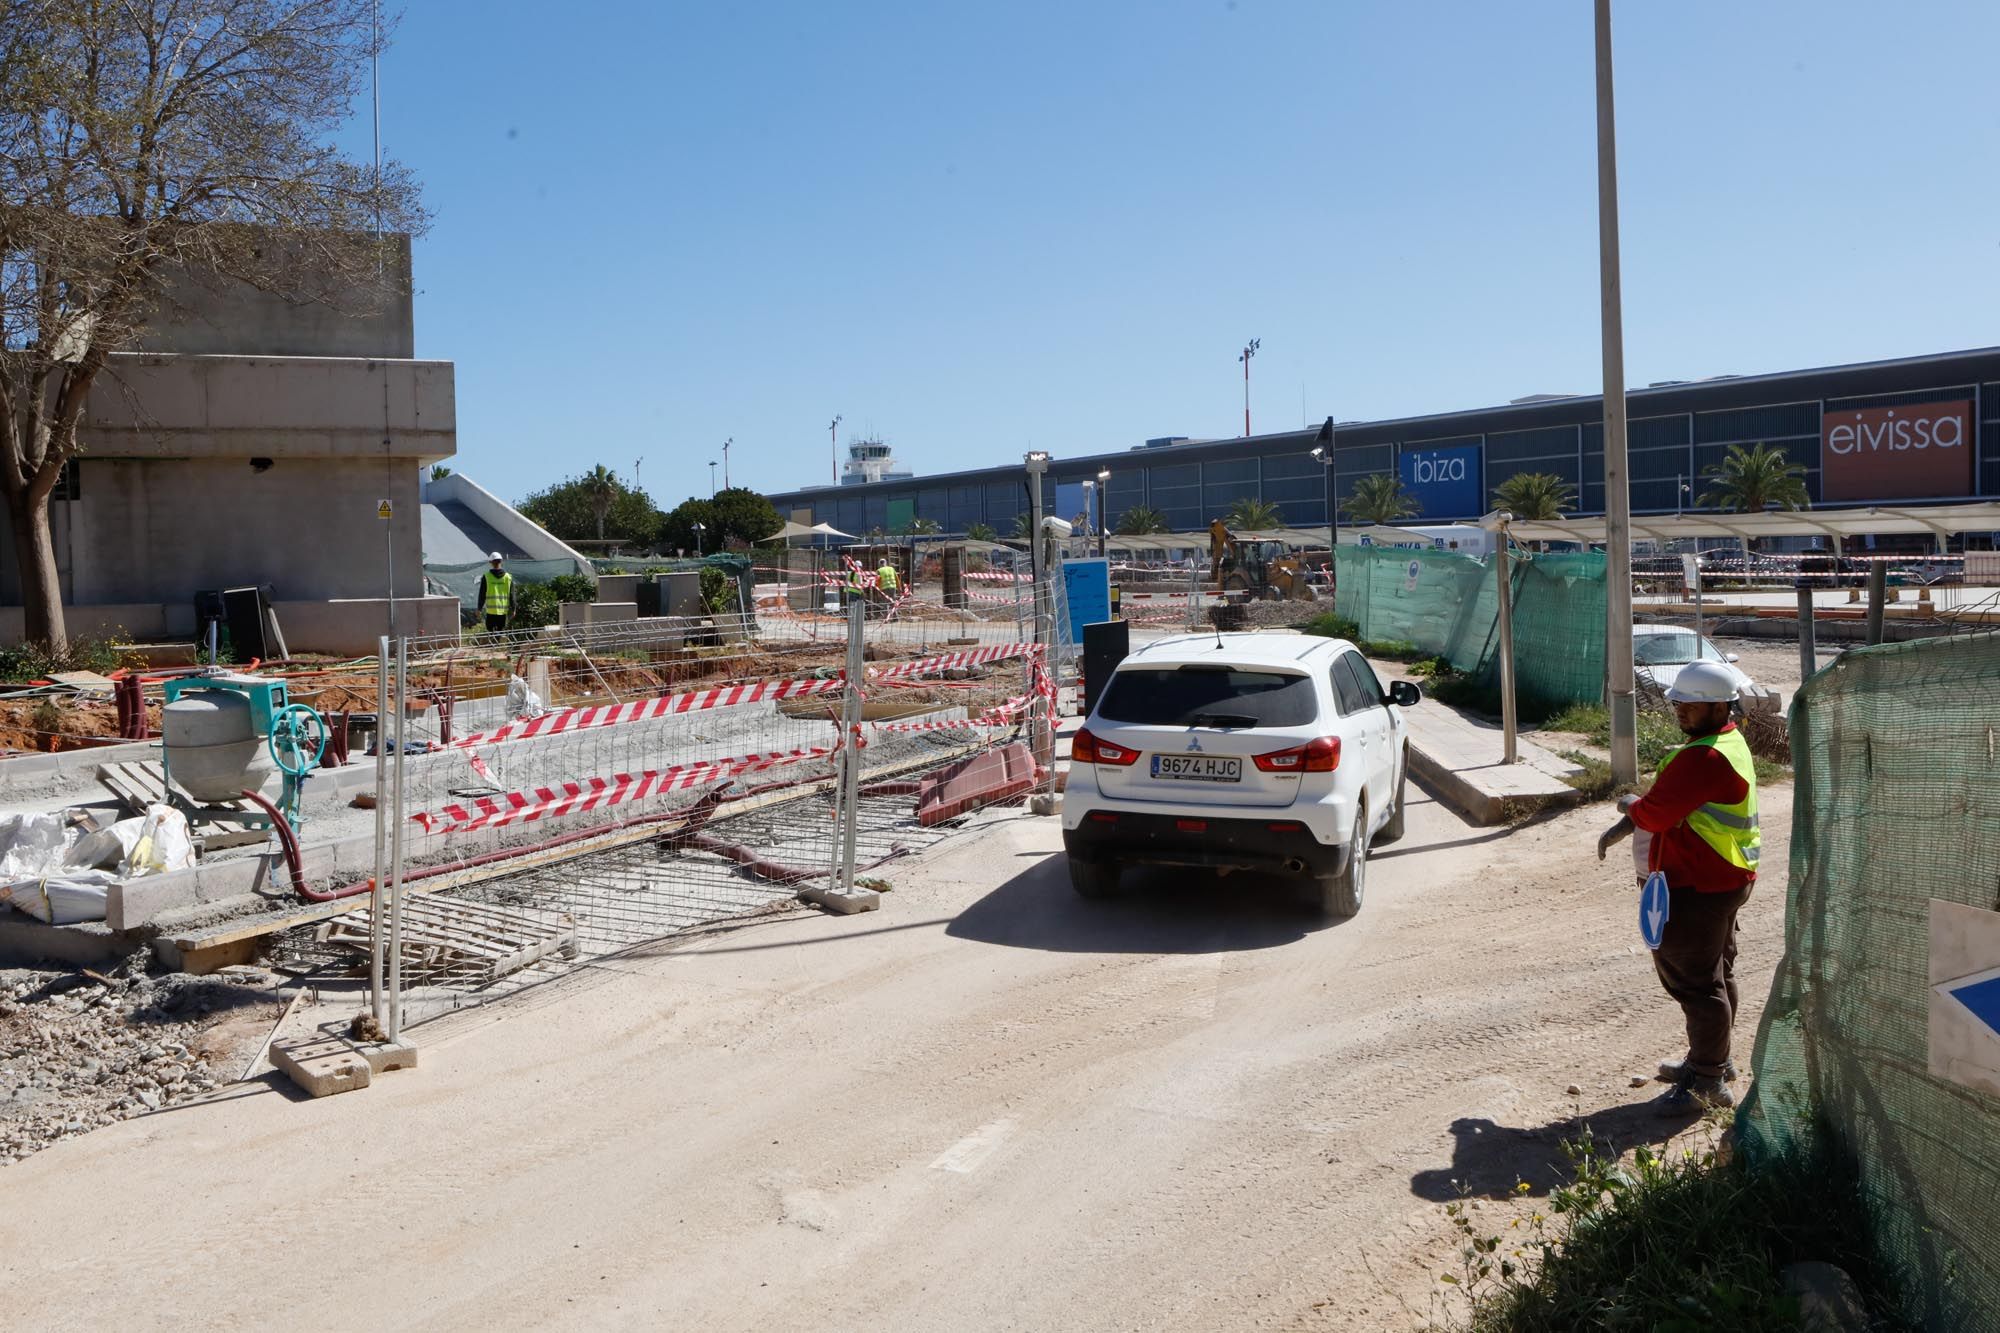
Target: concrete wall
<point>535,541</point>
<point>149,406</point>
<point>206,313</point>
<point>348,627</point>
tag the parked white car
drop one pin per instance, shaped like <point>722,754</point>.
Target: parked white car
<point>1660,651</point>
<point>1266,752</point>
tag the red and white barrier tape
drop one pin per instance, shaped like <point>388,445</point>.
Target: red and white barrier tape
<point>599,793</point>
<point>999,576</point>
<point>995,716</point>
<point>639,710</point>
<point>926,666</point>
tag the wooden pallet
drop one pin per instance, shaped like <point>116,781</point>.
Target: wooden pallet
<point>144,783</point>
<point>447,941</point>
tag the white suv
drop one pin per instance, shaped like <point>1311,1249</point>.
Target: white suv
<point>1271,752</point>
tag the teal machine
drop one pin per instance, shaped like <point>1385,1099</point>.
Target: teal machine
<point>222,733</point>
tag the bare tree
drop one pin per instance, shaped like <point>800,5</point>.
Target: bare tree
<point>142,141</point>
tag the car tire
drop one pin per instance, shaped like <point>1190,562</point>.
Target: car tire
<point>1340,895</point>
<point>1093,879</point>
<point>1394,828</point>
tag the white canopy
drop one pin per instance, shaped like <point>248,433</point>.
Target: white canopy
<point>1939,521</point>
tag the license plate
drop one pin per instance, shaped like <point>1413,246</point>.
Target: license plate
<point>1197,768</point>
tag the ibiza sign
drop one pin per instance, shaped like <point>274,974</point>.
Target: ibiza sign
<point>1915,451</point>
<point>1444,481</point>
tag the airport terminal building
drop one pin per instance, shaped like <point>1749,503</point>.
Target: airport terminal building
<point>1912,431</point>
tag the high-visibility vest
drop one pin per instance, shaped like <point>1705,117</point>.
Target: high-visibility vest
<point>885,578</point>
<point>1730,829</point>
<point>496,593</point>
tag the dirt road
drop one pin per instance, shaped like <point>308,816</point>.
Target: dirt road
<point>989,1105</point>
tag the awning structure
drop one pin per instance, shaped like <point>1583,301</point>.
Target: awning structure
<point>1301,537</point>
<point>1836,525</point>
<point>789,531</point>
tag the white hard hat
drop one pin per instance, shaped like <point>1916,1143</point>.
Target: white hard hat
<point>1703,683</point>
<point>496,556</point>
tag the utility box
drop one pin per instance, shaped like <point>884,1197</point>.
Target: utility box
<point>1105,645</point>
<point>952,570</point>
<point>680,594</point>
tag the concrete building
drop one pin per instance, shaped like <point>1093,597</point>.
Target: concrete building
<point>249,440</point>
<point>1916,430</point>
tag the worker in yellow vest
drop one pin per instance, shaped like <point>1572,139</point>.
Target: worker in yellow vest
<point>496,596</point>
<point>886,580</point>
<point>1701,815</point>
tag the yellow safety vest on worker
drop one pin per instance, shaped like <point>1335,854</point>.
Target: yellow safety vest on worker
<point>1730,829</point>
<point>885,579</point>
<point>496,593</point>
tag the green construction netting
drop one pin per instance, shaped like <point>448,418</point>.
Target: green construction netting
<point>463,580</point>
<point>1448,605</point>
<point>1897,803</point>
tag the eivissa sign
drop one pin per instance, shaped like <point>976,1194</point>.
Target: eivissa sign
<point>1917,451</point>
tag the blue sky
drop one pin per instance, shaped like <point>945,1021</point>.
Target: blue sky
<point>977,229</point>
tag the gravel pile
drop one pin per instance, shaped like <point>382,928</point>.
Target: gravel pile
<point>77,1051</point>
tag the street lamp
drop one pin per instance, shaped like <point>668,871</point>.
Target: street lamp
<point>1323,451</point>
<point>725,461</point>
<point>699,528</point>
<point>711,478</point>
<point>1103,484</point>
<point>833,446</point>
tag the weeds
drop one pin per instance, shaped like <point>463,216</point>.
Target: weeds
<point>1679,1240</point>
<point>1330,626</point>
<point>36,661</point>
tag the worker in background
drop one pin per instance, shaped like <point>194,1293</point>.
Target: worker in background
<point>853,584</point>
<point>887,581</point>
<point>1701,813</point>
<point>496,596</point>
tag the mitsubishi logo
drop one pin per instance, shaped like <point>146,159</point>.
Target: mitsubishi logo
<point>1194,744</point>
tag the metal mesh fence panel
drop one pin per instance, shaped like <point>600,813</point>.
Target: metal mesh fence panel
<point>1897,805</point>
<point>1448,605</point>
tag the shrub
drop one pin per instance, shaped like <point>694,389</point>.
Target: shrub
<point>573,588</point>
<point>36,661</point>
<point>1330,626</point>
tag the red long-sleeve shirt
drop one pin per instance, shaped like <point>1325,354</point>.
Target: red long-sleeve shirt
<point>1694,777</point>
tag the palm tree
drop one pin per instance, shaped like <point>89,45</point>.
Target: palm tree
<point>439,472</point>
<point>1748,481</point>
<point>1250,514</point>
<point>1139,520</point>
<point>1380,498</point>
<point>600,487</point>
<point>980,532</point>
<point>922,527</point>
<point>1024,524</point>
<point>1534,495</point>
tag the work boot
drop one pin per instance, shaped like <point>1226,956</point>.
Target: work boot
<point>1694,1095</point>
<point>1673,1071</point>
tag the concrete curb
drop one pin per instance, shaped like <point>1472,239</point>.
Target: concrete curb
<point>1478,805</point>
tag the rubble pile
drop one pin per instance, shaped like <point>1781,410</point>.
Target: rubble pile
<point>81,1049</point>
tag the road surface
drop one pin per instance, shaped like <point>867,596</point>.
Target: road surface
<point>988,1105</point>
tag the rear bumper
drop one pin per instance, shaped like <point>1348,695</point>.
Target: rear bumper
<point>1271,845</point>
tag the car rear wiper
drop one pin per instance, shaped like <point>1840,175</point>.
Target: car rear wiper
<point>1224,720</point>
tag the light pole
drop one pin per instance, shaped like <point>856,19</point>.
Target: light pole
<point>725,461</point>
<point>635,472</point>
<point>1617,484</point>
<point>833,447</point>
<point>1103,484</point>
<point>1249,351</point>
<point>1323,451</point>
<point>711,478</point>
<point>699,528</point>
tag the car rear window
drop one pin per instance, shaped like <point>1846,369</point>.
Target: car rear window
<point>1208,696</point>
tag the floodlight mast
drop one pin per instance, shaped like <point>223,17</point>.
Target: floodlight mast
<point>1617,482</point>
<point>833,446</point>
<point>1249,351</point>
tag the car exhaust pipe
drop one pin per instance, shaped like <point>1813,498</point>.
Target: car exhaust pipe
<point>1295,866</point>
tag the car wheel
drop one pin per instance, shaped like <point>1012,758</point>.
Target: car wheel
<point>1340,895</point>
<point>1394,828</point>
<point>1093,879</point>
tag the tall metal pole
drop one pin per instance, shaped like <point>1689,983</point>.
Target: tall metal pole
<point>401,707</point>
<point>1617,483</point>
<point>1040,738</point>
<point>375,891</point>
<point>833,447</point>
<point>725,461</point>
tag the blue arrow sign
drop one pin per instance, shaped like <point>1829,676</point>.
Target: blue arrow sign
<point>1653,900</point>
<point>1981,998</point>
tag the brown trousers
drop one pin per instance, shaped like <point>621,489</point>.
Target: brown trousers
<point>1696,961</point>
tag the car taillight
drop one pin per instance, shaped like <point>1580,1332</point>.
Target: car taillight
<point>1085,748</point>
<point>1320,755</point>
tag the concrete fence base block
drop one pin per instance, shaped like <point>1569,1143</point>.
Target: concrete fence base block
<point>322,1066</point>
<point>845,903</point>
<point>383,1056</point>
